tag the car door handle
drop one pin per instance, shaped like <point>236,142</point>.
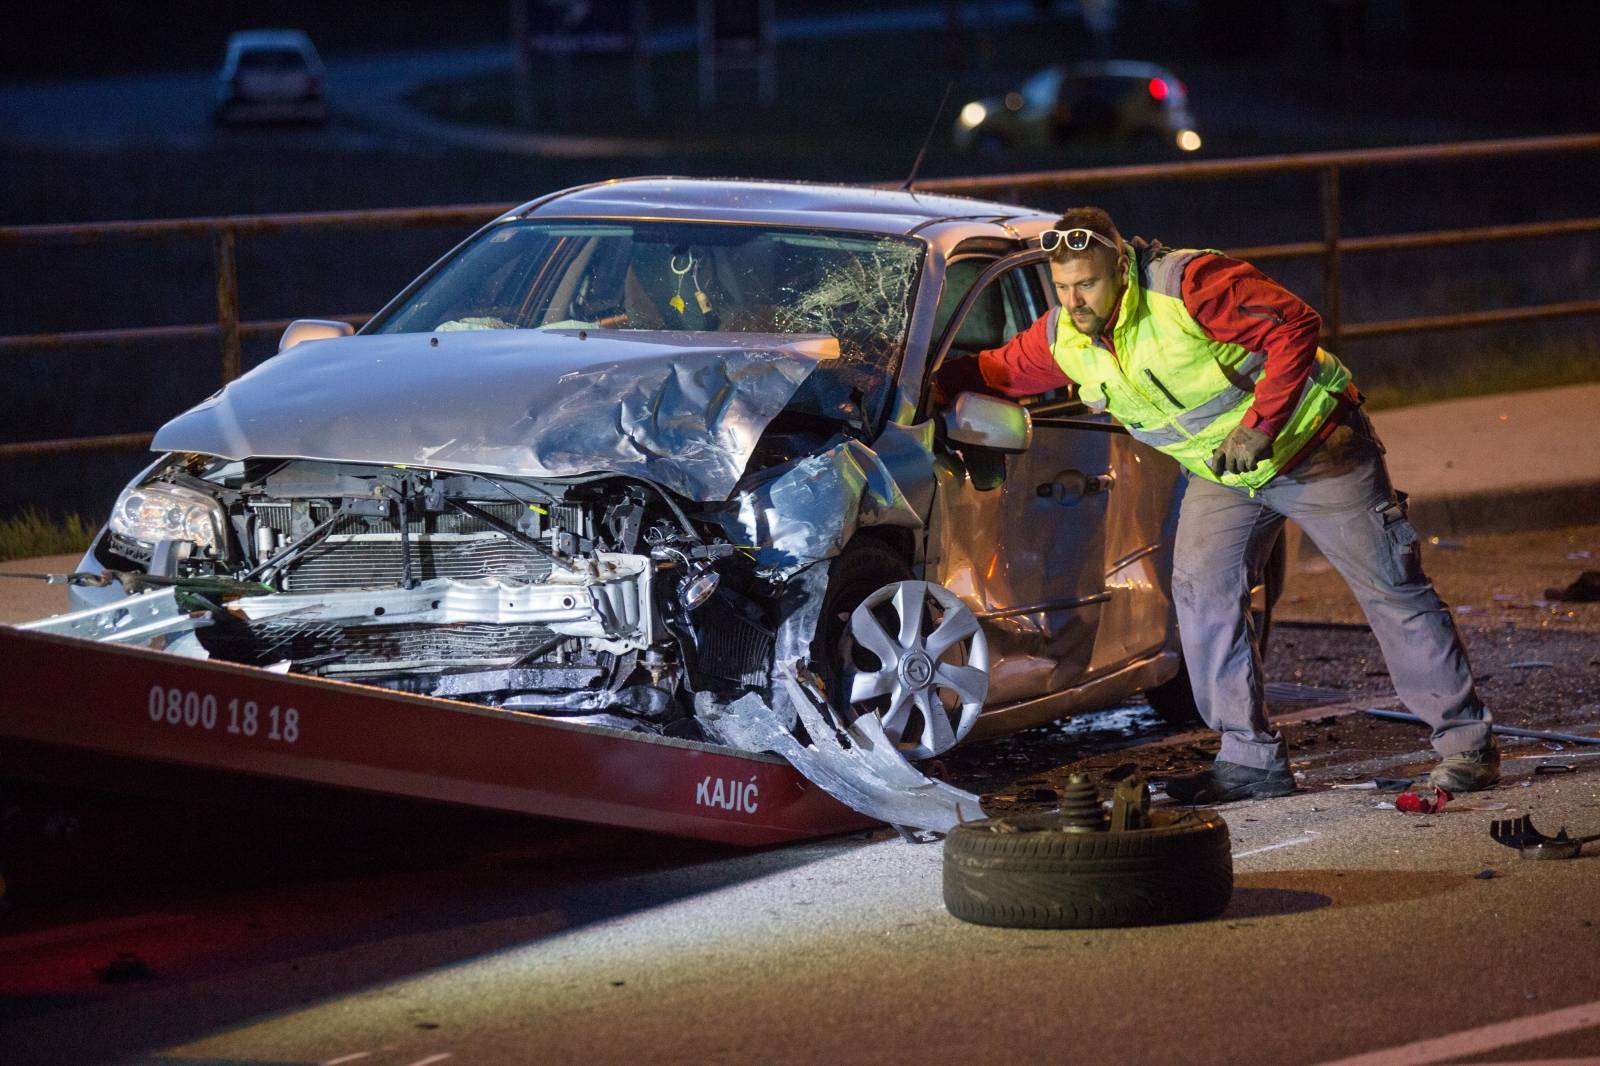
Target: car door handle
<point>1071,486</point>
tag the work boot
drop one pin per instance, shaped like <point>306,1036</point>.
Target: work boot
<point>1467,771</point>
<point>1225,782</point>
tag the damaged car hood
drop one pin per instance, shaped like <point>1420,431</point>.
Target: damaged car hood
<point>684,410</point>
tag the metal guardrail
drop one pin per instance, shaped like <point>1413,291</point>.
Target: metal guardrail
<point>224,233</point>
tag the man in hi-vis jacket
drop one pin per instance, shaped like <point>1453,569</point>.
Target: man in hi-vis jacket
<point>1208,360</point>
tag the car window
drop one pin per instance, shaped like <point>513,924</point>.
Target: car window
<point>1039,91</point>
<point>959,274</point>
<point>272,61</point>
<point>650,275</point>
<point>1006,306</point>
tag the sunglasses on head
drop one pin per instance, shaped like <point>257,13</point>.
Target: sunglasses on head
<point>1076,239</point>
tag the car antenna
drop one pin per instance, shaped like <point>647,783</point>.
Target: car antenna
<point>923,151</point>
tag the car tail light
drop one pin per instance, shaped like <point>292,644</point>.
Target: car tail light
<point>1159,89</point>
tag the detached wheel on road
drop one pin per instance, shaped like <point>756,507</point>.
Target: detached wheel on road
<point>1039,871</point>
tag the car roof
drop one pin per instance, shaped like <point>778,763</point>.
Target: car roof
<point>269,39</point>
<point>1114,68</point>
<point>852,207</point>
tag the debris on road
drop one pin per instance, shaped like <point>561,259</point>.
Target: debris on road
<point>1532,664</point>
<point>1421,802</point>
<point>127,966</point>
<point>1556,768</point>
<point>1502,730</point>
<point>1586,589</point>
<point>1520,833</point>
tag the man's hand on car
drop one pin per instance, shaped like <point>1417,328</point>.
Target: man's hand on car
<point>1241,451</point>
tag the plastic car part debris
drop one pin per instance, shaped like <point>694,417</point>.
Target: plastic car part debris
<point>1532,664</point>
<point>1555,768</point>
<point>1586,589</point>
<point>1381,784</point>
<point>1422,802</point>
<point>1520,833</point>
<point>856,764</point>
<point>1502,730</point>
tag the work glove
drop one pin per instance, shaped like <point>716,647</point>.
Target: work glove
<point>1241,451</point>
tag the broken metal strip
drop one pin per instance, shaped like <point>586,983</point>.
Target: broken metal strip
<point>1046,606</point>
<point>132,620</point>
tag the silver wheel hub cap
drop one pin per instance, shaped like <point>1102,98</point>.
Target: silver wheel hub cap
<point>935,675</point>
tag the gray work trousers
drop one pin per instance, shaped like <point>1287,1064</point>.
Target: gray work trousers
<point>1340,496</point>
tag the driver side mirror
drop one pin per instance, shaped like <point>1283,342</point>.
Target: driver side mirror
<point>988,422</point>
<point>313,329</point>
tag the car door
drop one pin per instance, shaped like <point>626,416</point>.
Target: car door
<point>1021,538</point>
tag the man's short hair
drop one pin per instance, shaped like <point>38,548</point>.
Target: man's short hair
<point>1093,219</point>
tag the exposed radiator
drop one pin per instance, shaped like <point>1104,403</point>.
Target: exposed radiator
<point>732,648</point>
<point>374,561</point>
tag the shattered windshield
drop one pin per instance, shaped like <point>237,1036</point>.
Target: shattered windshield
<point>721,278</point>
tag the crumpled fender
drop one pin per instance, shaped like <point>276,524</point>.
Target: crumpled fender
<point>807,510</point>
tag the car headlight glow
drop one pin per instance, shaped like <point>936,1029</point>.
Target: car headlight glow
<point>156,512</point>
<point>973,115</point>
<point>1188,140</point>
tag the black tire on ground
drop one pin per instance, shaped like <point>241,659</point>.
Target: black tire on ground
<point>864,567</point>
<point>1029,872</point>
<point>1173,700</point>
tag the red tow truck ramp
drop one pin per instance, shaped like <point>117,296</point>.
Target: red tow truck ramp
<point>130,702</point>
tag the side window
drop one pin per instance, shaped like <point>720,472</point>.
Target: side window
<point>958,278</point>
<point>1006,307</point>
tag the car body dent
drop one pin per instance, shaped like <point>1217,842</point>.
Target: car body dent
<point>682,410</point>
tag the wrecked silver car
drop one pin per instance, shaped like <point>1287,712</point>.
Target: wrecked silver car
<point>659,455</point>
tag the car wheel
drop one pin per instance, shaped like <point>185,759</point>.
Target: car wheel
<point>907,651</point>
<point>1039,871</point>
<point>1173,700</point>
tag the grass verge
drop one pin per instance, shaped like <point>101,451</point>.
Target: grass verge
<point>1484,374</point>
<point>31,532</point>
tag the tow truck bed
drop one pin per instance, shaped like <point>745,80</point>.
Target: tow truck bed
<point>135,703</point>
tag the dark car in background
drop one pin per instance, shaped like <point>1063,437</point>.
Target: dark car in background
<point>1117,101</point>
<point>270,76</point>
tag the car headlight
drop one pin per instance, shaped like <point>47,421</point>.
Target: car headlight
<point>973,114</point>
<point>154,513</point>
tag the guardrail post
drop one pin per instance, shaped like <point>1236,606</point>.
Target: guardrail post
<point>224,247</point>
<point>1331,290</point>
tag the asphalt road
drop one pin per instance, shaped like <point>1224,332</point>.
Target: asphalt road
<point>404,937</point>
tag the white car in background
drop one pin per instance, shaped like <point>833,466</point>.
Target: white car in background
<point>270,76</point>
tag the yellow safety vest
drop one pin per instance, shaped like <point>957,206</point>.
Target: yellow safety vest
<point>1175,388</point>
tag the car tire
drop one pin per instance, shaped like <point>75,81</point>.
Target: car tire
<point>865,566</point>
<point>1173,700</point>
<point>1032,871</point>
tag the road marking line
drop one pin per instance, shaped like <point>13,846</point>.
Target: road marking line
<point>67,934</point>
<point>431,1059</point>
<point>1589,1060</point>
<point>1308,838</point>
<point>1477,1041</point>
<point>347,1058</point>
